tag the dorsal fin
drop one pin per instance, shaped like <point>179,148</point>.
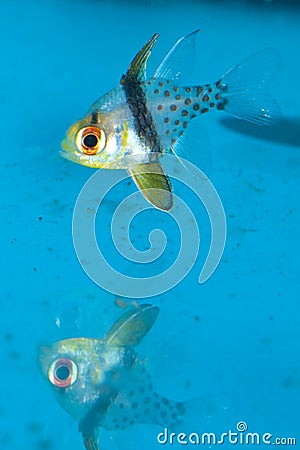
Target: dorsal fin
<point>137,68</point>
<point>180,61</point>
<point>130,329</point>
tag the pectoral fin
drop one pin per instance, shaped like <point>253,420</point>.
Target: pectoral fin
<point>154,184</point>
<point>130,329</point>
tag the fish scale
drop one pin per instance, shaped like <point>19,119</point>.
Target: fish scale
<point>172,106</point>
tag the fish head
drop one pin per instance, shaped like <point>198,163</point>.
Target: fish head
<point>84,373</point>
<point>87,375</point>
<point>94,141</point>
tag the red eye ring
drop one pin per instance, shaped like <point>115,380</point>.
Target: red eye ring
<point>90,140</point>
<point>63,372</point>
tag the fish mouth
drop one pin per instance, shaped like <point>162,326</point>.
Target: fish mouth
<point>70,156</point>
<point>66,154</point>
<point>84,160</point>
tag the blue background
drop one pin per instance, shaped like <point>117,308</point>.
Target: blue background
<point>234,339</point>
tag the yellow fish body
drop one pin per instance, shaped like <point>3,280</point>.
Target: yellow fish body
<point>138,121</point>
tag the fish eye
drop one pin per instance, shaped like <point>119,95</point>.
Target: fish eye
<point>63,372</point>
<point>90,140</point>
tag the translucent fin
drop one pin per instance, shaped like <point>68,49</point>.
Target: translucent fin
<point>180,58</point>
<point>154,184</point>
<point>205,414</point>
<point>137,68</point>
<point>130,329</point>
<point>244,88</point>
<point>91,441</point>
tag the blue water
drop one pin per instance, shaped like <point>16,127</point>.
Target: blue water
<point>235,338</point>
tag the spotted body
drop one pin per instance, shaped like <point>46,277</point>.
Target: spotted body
<point>174,106</point>
<point>133,125</point>
<point>102,383</point>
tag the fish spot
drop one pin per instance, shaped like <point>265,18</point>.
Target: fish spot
<point>184,113</point>
<point>121,405</point>
<point>131,393</point>
<point>166,120</point>
<point>193,116</point>
<point>218,84</point>
<point>220,106</point>
<point>187,101</point>
<point>168,132</point>
<point>174,416</point>
<point>180,408</point>
<point>165,401</point>
<point>217,96</point>
<point>188,89</point>
<point>134,405</point>
<point>204,110</point>
<point>163,414</point>
<point>147,400</point>
<point>196,107</point>
<point>173,141</point>
<point>161,84</point>
<point>185,124</point>
<point>156,91</point>
<point>124,418</point>
<point>177,122</point>
<point>205,98</point>
<point>156,405</point>
<point>167,93</point>
<point>212,105</point>
<point>199,90</point>
<point>173,107</point>
<point>132,422</point>
<point>175,88</point>
<point>160,107</point>
<point>181,133</point>
<point>178,97</point>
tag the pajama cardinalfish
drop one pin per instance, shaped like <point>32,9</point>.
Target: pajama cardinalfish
<point>102,383</point>
<point>141,119</point>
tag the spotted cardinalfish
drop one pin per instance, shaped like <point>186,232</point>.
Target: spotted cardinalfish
<point>141,119</point>
<point>102,383</point>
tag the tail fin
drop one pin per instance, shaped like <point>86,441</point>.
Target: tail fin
<point>206,413</point>
<point>244,88</point>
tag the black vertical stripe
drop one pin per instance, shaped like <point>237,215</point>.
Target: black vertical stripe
<point>143,120</point>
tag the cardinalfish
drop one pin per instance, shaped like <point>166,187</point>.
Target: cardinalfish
<point>102,383</point>
<point>141,119</point>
